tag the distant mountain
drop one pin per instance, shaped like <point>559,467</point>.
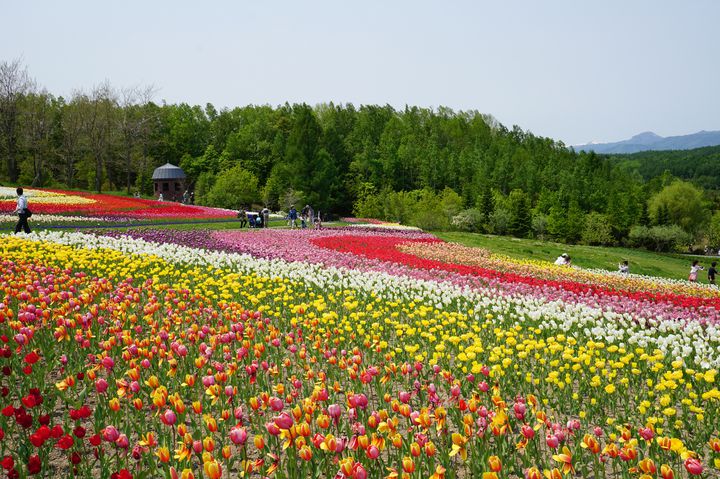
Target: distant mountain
<point>649,141</point>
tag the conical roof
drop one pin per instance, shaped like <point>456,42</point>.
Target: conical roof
<point>168,172</point>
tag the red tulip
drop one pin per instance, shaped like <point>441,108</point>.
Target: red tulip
<point>34,464</point>
<point>65,442</point>
<point>693,466</point>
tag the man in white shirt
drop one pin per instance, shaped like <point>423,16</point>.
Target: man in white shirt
<point>21,211</point>
<point>562,260</point>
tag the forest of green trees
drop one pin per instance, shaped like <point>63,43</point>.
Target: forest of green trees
<point>433,168</point>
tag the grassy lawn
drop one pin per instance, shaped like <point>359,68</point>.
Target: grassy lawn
<point>641,261</point>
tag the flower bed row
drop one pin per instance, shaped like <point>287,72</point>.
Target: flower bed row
<point>378,251</point>
<point>120,208</point>
<point>140,359</point>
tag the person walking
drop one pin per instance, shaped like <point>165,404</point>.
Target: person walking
<point>694,269</point>
<point>23,212</point>
<point>624,267</point>
<point>563,260</point>
<point>712,272</point>
<point>265,217</point>
<point>304,216</point>
<point>293,216</point>
<point>242,214</point>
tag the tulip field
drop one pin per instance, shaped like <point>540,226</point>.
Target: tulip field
<point>68,207</point>
<point>355,352</point>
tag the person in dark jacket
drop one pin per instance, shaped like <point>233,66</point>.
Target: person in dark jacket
<point>23,212</point>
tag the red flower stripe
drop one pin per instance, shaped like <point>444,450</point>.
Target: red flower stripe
<point>384,248</point>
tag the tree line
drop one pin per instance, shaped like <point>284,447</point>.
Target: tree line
<point>434,168</point>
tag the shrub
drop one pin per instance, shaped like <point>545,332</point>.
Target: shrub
<point>233,189</point>
<point>469,220</point>
<point>597,230</point>
<point>659,238</point>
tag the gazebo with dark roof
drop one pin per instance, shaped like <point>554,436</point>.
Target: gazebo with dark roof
<point>170,181</point>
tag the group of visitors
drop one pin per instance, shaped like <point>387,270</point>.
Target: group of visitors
<point>696,267</point>
<point>254,219</point>
<point>188,198</point>
<point>307,217</point>
<point>624,268</point>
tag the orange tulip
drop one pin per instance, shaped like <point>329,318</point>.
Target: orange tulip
<point>565,458</point>
<point>226,452</point>
<point>666,472</point>
<point>554,474</point>
<point>323,421</point>
<point>591,443</point>
<point>714,444</point>
<point>647,466</point>
<point>213,469</point>
<point>415,449</point>
<point>495,464</point>
<point>533,473</point>
<point>163,453</point>
<point>408,465</point>
<point>209,444</point>
<point>430,449</point>
<point>305,453</point>
<point>439,473</point>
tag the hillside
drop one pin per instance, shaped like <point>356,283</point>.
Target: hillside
<point>649,141</point>
<point>700,165</point>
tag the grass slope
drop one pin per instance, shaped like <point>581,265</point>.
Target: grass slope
<point>641,261</point>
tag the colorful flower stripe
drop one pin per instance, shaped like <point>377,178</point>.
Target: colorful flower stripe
<point>299,246</point>
<point>98,205</point>
<point>59,219</point>
<point>386,249</point>
<point>200,363</point>
<point>669,328</point>
<point>459,254</point>
<point>354,220</point>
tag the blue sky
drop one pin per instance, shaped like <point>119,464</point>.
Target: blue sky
<point>572,70</point>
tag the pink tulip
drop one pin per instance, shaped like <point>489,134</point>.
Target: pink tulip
<point>238,435</point>
<point>372,452</point>
<point>110,434</point>
<point>276,404</point>
<point>122,441</point>
<point>284,421</point>
<point>169,417</point>
<point>101,385</point>
<point>334,411</point>
<point>108,363</point>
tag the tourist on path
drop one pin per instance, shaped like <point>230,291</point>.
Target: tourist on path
<point>712,272</point>
<point>265,217</point>
<point>242,214</point>
<point>23,212</point>
<point>293,216</point>
<point>563,260</point>
<point>694,270</point>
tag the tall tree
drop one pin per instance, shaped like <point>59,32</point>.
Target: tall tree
<point>99,109</point>
<point>38,112</point>
<point>15,83</point>
<point>133,122</point>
